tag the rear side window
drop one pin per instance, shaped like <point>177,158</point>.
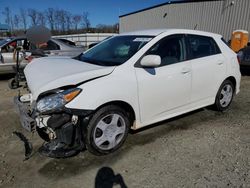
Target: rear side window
<point>51,46</point>
<point>201,46</point>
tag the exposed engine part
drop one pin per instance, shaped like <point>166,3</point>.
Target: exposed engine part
<point>42,132</point>
<point>74,119</point>
<point>66,133</point>
<point>63,134</point>
<point>41,121</point>
<point>69,141</point>
<point>27,145</point>
<point>58,120</point>
<point>51,133</point>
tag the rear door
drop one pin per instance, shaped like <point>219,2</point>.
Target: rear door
<point>208,66</point>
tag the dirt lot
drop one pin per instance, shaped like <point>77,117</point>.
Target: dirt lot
<point>201,149</point>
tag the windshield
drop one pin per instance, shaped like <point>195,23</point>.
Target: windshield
<point>115,51</point>
<point>4,41</point>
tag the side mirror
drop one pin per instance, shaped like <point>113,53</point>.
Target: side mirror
<point>151,61</point>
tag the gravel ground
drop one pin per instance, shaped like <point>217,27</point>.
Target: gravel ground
<point>201,149</point>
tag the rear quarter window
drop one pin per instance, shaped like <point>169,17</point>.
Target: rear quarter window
<point>225,42</point>
<point>201,46</point>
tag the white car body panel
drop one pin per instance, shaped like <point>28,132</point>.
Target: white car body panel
<point>160,91</point>
<point>207,75</point>
<point>117,87</point>
<point>170,91</point>
<point>46,73</point>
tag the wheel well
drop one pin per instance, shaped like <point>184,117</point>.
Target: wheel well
<point>127,107</point>
<point>233,80</point>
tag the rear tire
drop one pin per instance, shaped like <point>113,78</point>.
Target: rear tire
<point>224,96</point>
<point>107,130</point>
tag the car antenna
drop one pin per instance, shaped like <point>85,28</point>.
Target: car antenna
<point>195,26</point>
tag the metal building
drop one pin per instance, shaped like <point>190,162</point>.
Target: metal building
<point>218,16</point>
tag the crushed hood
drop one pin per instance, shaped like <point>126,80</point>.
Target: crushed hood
<point>44,74</point>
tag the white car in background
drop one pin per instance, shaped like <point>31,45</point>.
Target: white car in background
<point>127,82</point>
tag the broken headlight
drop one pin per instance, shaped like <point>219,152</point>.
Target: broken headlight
<point>57,101</point>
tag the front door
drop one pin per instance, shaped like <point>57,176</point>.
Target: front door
<point>164,89</point>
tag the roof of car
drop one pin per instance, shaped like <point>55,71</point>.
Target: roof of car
<point>155,32</point>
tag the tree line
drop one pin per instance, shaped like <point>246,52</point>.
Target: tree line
<point>59,21</point>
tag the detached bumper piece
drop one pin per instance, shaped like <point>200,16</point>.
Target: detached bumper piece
<point>27,145</point>
<point>27,122</point>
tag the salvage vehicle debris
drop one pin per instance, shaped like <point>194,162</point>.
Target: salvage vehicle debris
<point>27,145</point>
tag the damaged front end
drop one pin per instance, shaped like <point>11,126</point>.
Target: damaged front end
<point>61,128</point>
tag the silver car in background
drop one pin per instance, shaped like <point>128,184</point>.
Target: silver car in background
<point>54,47</point>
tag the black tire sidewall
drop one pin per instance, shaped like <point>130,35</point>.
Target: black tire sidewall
<point>13,84</point>
<point>89,140</point>
<point>217,100</point>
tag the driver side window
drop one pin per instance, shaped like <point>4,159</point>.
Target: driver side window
<point>171,50</point>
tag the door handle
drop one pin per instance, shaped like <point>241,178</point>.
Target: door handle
<point>220,63</point>
<point>185,70</point>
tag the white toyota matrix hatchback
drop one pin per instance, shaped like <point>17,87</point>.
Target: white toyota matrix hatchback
<point>126,82</point>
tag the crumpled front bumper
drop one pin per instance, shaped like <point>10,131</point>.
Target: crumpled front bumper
<point>27,121</point>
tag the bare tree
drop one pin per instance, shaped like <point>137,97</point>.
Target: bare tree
<point>68,18</point>
<point>57,20</point>
<point>76,20</point>
<point>8,17</point>
<point>85,20</point>
<point>16,21</point>
<point>61,16</point>
<point>50,13</point>
<point>32,13</point>
<point>102,28</point>
<point>23,18</point>
<point>41,18</point>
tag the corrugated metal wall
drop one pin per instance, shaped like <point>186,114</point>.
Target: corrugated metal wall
<point>221,17</point>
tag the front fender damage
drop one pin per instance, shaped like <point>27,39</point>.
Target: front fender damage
<point>63,132</point>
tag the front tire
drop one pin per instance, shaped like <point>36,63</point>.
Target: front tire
<point>107,130</point>
<point>224,96</point>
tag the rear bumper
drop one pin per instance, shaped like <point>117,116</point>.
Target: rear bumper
<point>22,109</point>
